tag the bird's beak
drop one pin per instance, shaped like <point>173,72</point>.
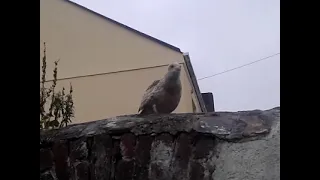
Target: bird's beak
<point>179,67</point>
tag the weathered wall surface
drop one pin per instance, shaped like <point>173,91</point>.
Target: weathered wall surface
<point>223,145</point>
<point>252,160</point>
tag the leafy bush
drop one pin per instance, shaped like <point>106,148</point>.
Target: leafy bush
<point>56,108</point>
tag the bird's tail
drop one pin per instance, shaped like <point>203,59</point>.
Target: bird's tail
<point>146,111</point>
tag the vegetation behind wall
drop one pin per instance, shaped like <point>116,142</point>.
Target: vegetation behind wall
<point>56,107</point>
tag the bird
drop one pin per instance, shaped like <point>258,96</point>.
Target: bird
<point>163,96</point>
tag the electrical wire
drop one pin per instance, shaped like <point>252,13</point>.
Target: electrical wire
<point>239,66</point>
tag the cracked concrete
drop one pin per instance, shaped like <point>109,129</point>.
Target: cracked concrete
<point>175,146</point>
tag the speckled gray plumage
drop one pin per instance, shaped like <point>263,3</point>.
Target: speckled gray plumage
<point>163,96</point>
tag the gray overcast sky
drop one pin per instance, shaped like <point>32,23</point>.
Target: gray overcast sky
<point>219,35</point>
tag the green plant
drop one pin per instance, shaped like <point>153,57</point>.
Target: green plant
<point>56,108</point>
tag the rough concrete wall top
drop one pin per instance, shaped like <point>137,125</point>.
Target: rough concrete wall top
<point>252,160</point>
<point>223,145</point>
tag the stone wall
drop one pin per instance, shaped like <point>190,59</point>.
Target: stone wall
<point>220,146</point>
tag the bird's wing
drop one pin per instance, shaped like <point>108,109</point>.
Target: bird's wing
<point>153,84</point>
<point>148,97</point>
<point>146,100</point>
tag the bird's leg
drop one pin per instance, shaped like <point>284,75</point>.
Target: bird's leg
<point>154,107</point>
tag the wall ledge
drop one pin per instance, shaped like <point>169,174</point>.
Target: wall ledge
<point>203,146</point>
<point>229,126</point>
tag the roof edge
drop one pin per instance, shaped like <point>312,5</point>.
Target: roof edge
<point>194,81</point>
<point>127,27</point>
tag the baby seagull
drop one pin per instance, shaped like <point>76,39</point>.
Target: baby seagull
<point>163,96</point>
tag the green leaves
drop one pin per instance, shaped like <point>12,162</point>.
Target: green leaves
<point>56,108</point>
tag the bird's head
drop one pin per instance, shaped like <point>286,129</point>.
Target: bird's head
<point>174,67</point>
<point>173,71</point>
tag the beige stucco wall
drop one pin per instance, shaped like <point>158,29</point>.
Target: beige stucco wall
<point>92,51</point>
<point>89,44</point>
<point>108,95</point>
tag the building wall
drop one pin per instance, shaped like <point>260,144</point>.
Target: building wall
<point>94,44</point>
<point>109,66</point>
<point>108,95</point>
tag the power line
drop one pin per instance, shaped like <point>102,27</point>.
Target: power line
<point>239,66</point>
